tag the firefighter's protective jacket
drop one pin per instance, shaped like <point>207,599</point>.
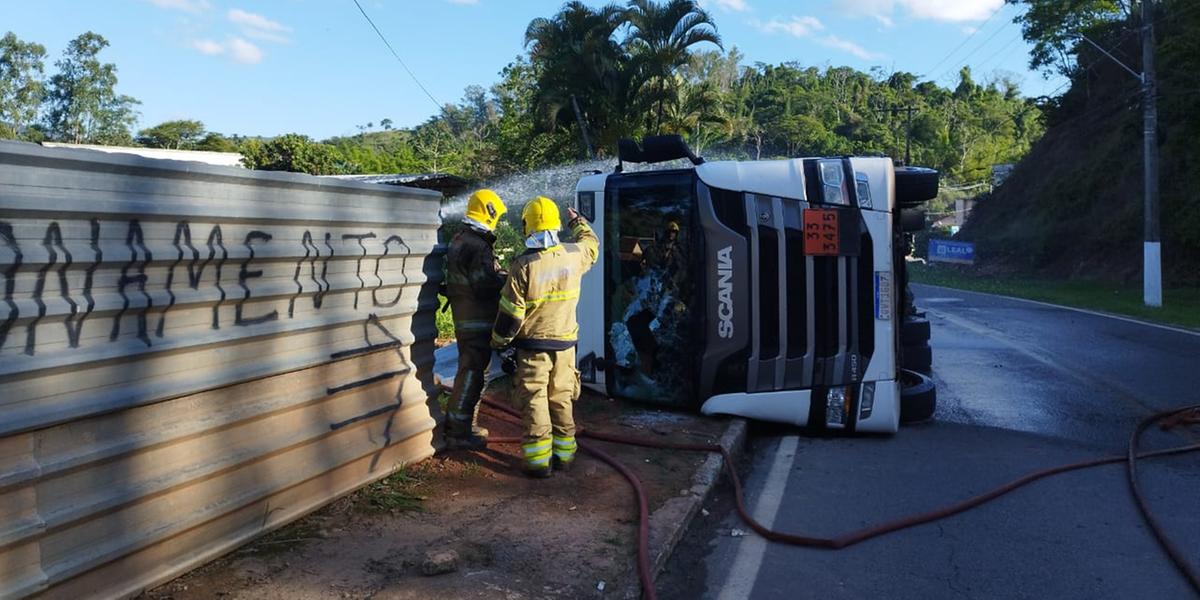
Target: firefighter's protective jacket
<point>537,304</point>
<point>473,282</point>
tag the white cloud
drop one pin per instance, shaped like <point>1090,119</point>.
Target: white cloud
<point>833,41</point>
<point>243,51</point>
<point>254,21</point>
<point>208,47</point>
<point>258,27</point>
<point>970,30</point>
<point>955,11</point>
<point>795,26</point>
<point>885,20</point>
<point>237,49</point>
<point>952,10</point>
<point>191,6</point>
<point>809,27</point>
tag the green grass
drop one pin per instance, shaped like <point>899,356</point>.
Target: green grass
<point>396,492</point>
<point>1181,306</point>
<point>444,319</point>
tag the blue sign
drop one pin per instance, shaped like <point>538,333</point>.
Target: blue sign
<point>952,252</point>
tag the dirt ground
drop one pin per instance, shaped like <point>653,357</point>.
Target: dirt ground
<point>571,536</point>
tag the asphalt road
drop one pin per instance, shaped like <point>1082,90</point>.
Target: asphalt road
<point>1021,386</point>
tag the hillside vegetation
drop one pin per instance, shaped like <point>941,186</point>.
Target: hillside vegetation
<point>1073,206</point>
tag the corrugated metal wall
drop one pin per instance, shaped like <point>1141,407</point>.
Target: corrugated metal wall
<point>192,354</point>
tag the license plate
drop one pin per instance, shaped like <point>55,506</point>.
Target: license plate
<point>883,295</point>
<point>821,232</point>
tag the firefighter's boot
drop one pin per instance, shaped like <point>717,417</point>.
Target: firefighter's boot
<point>462,429</point>
<point>564,448</point>
<point>537,457</point>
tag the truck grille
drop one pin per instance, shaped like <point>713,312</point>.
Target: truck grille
<point>813,319</point>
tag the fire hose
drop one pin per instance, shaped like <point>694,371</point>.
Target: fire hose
<point>1166,420</point>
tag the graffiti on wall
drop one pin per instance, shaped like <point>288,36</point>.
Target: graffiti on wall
<point>194,256</point>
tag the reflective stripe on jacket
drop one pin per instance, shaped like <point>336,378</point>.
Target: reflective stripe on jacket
<point>473,281</point>
<point>537,304</point>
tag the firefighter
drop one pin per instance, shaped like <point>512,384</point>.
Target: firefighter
<point>473,282</point>
<point>666,254</point>
<point>537,318</point>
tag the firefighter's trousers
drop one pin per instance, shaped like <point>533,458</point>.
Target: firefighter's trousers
<point>545,387</point>
<point>474,354</point>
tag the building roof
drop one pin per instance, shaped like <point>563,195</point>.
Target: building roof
<point>224,159</point>
<point>445,183</point>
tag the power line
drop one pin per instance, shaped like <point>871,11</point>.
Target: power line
<point>997,53</point>
<point>968,38</point>
<point>394,53</point>
<point>962,63</point>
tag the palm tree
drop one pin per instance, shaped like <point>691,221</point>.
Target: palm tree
<point>660,38</point>
<point>577,57</point>
<point>694,111</point>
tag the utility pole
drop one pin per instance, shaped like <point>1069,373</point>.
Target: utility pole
<point>1151,245</point>
<point>1152,250</point>
<point>908,110</point>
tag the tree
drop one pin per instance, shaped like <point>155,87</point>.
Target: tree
<point>291,152</point>
<point>520,139</point>
<point>577,61</point>
<point>21,85</point>
<point>1053,27</point>
<point>215,142</point>
<point>661,39</point>
<point>174,135</point>
<point>83,103</point>
<point>435,143</point>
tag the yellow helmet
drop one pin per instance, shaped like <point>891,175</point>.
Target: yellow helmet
<point>486,207</point>
<point>673,226</point>
<point>540,214</point>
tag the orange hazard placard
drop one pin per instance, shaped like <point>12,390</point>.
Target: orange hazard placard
<point>821,232</point>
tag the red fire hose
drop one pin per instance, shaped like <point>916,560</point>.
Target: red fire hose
<point>1166,420</point>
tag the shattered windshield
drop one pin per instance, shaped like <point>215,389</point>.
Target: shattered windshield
<point>652,246</point>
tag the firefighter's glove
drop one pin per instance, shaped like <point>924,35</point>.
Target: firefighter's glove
<point>508,360</point>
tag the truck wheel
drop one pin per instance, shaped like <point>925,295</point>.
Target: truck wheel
<point>917,358</point>
<point>912,219</point>
<point>914,331</point>
<point>918,397</point>
<point>915,185</point>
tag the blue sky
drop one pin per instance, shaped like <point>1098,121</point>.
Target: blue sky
<point>265,67</point>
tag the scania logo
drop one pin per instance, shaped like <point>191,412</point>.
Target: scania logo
<point>725,292</point>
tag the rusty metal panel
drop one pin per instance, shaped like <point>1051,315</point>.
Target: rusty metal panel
<point>190,355</point>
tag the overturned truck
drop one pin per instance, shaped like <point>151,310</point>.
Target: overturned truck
<point>767,289</point>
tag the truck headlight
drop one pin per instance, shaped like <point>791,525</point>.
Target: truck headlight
<point>833,179</point>
<point>837,406</point>
<point>862,185</point>
<point>867,402</point>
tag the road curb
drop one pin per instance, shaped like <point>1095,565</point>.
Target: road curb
<point>672,519</point>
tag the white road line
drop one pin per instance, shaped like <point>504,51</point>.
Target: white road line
<point>751,549</point>
<point>1073,309</point>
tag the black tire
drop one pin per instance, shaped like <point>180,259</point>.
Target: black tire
<point>912,219</point>
<point>915,185</point>
<point>914,331</point>
<point>918,397</point>
<point>917,358</point>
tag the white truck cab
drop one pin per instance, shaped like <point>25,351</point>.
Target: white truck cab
<point>764,289</point>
